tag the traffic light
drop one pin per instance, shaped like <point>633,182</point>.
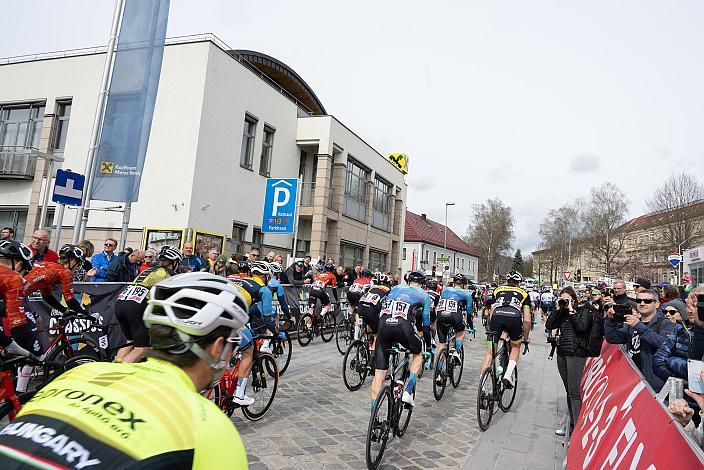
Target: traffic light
<point>579,275</point>
<point>433,271</point>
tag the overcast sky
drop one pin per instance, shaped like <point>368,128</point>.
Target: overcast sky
<point>532,101</point>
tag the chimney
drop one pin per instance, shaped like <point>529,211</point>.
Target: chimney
<point>423,216</point>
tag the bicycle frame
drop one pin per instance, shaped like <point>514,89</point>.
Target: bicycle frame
<point>7,392</point>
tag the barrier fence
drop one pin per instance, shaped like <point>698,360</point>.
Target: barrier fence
<point>622,425</point>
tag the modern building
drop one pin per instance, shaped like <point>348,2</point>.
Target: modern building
<point>224,121</point>
<point>425,248</point>
<point>693,263</point>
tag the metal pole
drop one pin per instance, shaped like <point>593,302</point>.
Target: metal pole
<point>59,224</point>
<point>82,214</point>
<point>125,225</point>
<point>295,219</point>
<point>45,202</point>
<point>445,245</point>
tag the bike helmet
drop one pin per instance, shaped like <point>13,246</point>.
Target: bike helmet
<point>459,279</point>
<point>431,283</point>
<point>243,267</point>
<point>69,251</point>
<point>14,250</point>
<point>514,276</point>
<point>260,267</point>
<point>172,254</point>
<point>276,268</point>
<point>416,276</point>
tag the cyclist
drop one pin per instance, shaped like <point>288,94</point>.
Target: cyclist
<point>146,415</point>
<point>455,303</point>
<point>276,288</point>
<point>370,305</point>
<point>547,303</point>
<point>431,287</point>
<point>397,325</point>
<point>534,300</point>
<point>325,279</point>
<point>488,300</point>
<point>356,291</point>
<point>510,314</point>
<point>132,302</point>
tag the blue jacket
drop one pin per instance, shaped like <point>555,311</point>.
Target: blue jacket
<point>101,262</point>
<point>671,358</point>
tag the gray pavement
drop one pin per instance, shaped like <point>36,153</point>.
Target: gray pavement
<point>315,422</point>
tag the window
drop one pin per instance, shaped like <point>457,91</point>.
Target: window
<point>435,256</point>
<point>351,255</point>
<point>267,144</point>
<point>250,129</point>
<point>257,238</point>
<point>63,114</point>
<point>381,204</point>
<point>20,127</point>
<point>404,254</point>
<point>462,263</point>
<point>377,260</point>
<point>426,256</point>
<point>356,191</point>
<point>16,220</point>
<point>238,234</point>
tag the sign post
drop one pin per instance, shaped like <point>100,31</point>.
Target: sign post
<point>675,259</point>
<point>280,205</point>
<point>68,190</point>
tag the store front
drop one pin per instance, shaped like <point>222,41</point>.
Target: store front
<point>694,264</point>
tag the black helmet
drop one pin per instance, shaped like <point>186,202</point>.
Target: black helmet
<point>243,267</point>
<point>459,279</point>
<point>431,283</point>
<point>69,251</point>
<point>514,276</point>
<point>416,276</point>
<point>14,250</point>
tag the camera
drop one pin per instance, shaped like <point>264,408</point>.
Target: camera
<point>700,306</point>
<point>620,312</point>
<point>563,303</point>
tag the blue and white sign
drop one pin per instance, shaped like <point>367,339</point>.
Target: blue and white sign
<point>68,188</point>
<point>280,205</point>
<point>674,260</point>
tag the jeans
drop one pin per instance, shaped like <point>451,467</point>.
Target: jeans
<point>571,369</point>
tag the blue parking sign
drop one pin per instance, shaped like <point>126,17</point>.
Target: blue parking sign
<point>280,205</point>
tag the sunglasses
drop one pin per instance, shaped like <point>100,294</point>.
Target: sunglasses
<point>109,244</point>
<point>254,256</point>
<point>670,311</point>
<point>148,257</point>
<point>645,301</point>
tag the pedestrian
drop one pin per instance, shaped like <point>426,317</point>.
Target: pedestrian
<point>357,272</point>
<point>212,256</point>
<point>125,267</point>
<point>669,292</point>
<point>101,261</point>
<point>190,259</point>
<point>220,265</point>
<point>341,277</point>
<point>307,267</point>
<point>294,274</point>
<point>81,272</point>
<point>620,296</point>
<point>270,257</point>
<point>7,233</point>
<point>253,255</point>
<point>40,247</point>
<point>149,260</point>
<point>671,359</point>
<point>641,284</point>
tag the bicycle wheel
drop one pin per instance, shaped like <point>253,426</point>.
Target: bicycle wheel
<point>508,395</point>
<point>264,382</point>
<point>440,375</point>
<point>379,428</point>
<point>456,371</point>
<point>214,394</point>
<point>282,353</point>
<point>6,407</point>
<point>354,366</point>
<point>404,412</point>
<point>76,348</point>
<point>305,330</point>
<point>327,327</point>
<point>485,399</point>
<point>342,335</point>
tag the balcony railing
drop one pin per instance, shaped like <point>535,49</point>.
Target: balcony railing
<point>308,195</point>
<point>17,162</point>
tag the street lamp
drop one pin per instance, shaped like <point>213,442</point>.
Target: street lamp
<point>447,204</point>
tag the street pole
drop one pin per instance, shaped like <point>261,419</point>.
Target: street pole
<point>59,224</point>
<point>45,202</point>
<point>79,228</point>
<point>125,225</point>
<point>447,204</point>
<point>295,220</point>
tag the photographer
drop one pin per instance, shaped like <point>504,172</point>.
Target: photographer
<point>573,324</point>
<point>642,329</point>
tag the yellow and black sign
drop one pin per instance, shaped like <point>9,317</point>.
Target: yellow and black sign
<point>107,167</point>
<point>400,161</point>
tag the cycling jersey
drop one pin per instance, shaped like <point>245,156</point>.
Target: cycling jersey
<point>324,280</point>
<point>12,294</point>
<point>108,415</point>
<point>257,294</point>
<point>138,291</point>
<point>276,288</point>
<point>45,275</point>
<point>534,297</point>
<point>508,297</point>
<point>507,315</point>
<point>358,288</point>
<point>370,305</point>
<point>454,299</point>
<point>405,302</point>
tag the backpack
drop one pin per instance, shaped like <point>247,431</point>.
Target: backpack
<point>595,335</point>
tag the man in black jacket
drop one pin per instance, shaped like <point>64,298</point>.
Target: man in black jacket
<point>125,267</point>
<point>294,274</point>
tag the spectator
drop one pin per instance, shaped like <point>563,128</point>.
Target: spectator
<point>149,260</point>
<point>101,261</point>
<point>643,331</point>
<point>620,296</point>
<point>670,292</point>
<point>351,276</point>
<point>253,255</point>
<point>81,273</point>
<point>681,410</point>
<point>691,302</point>
<point>125,267</point>
<point>307,267</point>
<point>574,324</point>
<point>279,259</point>
<point>341,276</point>
<point>8,233</point>
<point>212,256</point>
<point>671,358</point>
<point>396,280</point>
<point>294,274</point>
<point>357,272</point>
<point>220,265</point>
<point>40,247</point>
<point>191,260</point>
<point>270,257</point>
<point>641,284</point>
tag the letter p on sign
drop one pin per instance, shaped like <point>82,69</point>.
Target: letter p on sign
<point>281,198</point>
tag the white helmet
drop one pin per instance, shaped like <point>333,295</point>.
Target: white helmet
<point>260,267</point>
<point>276,268</point>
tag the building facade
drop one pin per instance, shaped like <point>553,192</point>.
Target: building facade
<point>224,121</point>
<point>424,248</point>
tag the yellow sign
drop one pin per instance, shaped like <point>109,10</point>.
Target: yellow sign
<point>107,167</point>
<point>400,161</point>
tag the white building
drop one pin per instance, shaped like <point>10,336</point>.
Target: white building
<point>224,121</point>
<point>424,248</point>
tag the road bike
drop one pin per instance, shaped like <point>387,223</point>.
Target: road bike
<point>281,349</point>
<point>446,368</point>
<point>67,344</point>
<point>344,331</point>
<point>491,387</point>
<point>310,326</point>
<point>10,401</point>
<point>359,360</point>
<point>391,415</point>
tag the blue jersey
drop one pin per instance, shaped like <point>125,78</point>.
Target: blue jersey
<point>406,302</point>
<point>454,299</point>
<point>276,288</point>
<point>260,295</point>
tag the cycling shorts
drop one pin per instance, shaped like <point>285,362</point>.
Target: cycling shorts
<point>245,339</point>
<point>370,314</point>
<point>506,319</point>
<point>129,315</point>
<point>446,320</point>
<point>353,298</point>
<point>547,307</point>
<point>318,294</point>
<point>25,336</point>
<point>266,322</point>
<point>392,331</point>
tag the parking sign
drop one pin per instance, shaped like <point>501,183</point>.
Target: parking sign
<point>280,205</point>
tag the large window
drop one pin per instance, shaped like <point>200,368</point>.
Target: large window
<point>377,260</point>
<point>63,113</point>
<point>20,128</point>
<point>16,220</point>
<point>356,191</point>
<point>351,255</point>
<point>257,238</point>
<point>381,204</point>
<point>250,129</point>
<point>267,144</point>
<point>238,233</point>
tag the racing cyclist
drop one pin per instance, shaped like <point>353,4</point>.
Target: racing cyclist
<point>397,324</point>
<point>145,415</point>
<point>455,303</point>
<point>431,287</point>
<point>356,291</point>
<point>325,279</point>
<point>370,305</point>
<point>510,314</point>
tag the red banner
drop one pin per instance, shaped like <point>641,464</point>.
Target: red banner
<point>622,425</point>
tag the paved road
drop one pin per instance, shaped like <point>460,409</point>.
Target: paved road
<point>315,422</point>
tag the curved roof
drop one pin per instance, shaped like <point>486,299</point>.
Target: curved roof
<point>285,77</point>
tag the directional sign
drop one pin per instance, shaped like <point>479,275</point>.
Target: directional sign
<point>674,260</point>
<point>68,188</point>
<point>280,205</point>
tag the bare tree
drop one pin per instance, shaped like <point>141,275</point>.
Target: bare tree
<point>491,232</point>
<point>559,235</point>
<point>528,266</point>
<point>680,200</point>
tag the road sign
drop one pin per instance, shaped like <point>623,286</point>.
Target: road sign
<point>280,205</point>
<point>568,275</point>
<point>443,260</point>
<point>674,260</point>
<point>68,188</point>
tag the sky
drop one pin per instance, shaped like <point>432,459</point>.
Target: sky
<point>531,102</point>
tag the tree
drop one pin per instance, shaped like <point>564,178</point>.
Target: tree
<point>559,237</point>
<point>517,264</point>
<point>491,232</point>
<point>681,201</point>
<point>528,266</point>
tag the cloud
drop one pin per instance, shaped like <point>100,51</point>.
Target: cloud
<point>585,163</point>
<point>420,183</point>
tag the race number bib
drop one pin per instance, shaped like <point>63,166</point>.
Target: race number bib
<point>358,288</point>
<point>370,298</point>
<point>448,306</point>
<point>319,285</point>
<point>397,309</point>
<point>133,293</point>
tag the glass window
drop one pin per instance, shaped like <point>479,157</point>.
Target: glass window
<point>250,129</point>
<point>356,191</point>
<point>64,113</point>
<point>382,192</point>
<point>267,144</point>
<point>377,260</point>
<point>20,128</point>
<point>404,254</point>
<point>351,255</point>
<point>238,233</point>
<point>257,238</point>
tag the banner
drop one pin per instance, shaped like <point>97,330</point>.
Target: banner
<point>621,425</point>
<point>130,104</point>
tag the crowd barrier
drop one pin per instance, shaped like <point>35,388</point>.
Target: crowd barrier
<point>622,425</point>
<point>101,297</point>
